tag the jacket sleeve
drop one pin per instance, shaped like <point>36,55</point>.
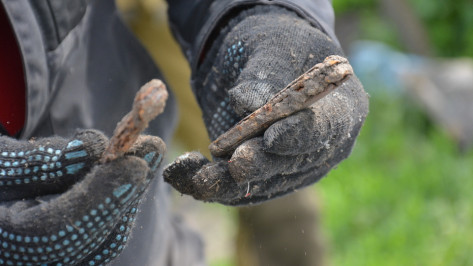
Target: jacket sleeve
<point>194,22</point>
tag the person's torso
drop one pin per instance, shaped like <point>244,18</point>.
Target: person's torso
<point>82,68</point>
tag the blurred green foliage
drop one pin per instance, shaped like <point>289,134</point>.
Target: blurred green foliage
<point>342,6</point>
<point>403,197</point>
<point>449,24</point>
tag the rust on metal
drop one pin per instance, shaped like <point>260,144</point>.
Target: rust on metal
<point>149,102</point>
<point>311,86</point>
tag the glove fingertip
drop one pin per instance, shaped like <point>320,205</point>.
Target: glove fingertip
<point>213,182</point>
<point>286,137</point>
<point>250,162</point>
<point>180,172</point>
<point>243,165</point>
<point>192,174</point>
<point>272,138</point>
<point>94,142</point>
<point>150,149</point>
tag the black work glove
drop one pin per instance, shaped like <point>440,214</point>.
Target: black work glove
<point>256,55</point>
<point>59,206</point>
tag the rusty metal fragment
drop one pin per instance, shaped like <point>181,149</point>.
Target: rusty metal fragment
<point>149,102</point>
<point>311,86</point>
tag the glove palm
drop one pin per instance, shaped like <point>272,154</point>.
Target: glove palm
<point>82,215</point>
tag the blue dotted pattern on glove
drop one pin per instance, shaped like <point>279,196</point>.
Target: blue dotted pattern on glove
<point>233,64</point>
<point>41,164</point>
<point>219,116</point>
<point>94,238</point>
<point>73,242</point>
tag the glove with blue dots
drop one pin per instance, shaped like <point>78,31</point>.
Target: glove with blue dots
<point>258,53</point>
<point>59,206</point>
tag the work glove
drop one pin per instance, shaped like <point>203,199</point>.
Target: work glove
<point>60,206</point>
<point>257,54</point>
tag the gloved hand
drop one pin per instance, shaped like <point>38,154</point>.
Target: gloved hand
<point>256,55</point>
<point>59,206</point>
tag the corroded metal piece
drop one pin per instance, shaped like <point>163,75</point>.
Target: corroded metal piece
<point>311,86</point>
<point>149,102</point>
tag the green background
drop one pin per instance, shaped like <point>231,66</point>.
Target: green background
<point>404,197</point>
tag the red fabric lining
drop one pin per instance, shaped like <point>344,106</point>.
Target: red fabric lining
<point>12,81</point>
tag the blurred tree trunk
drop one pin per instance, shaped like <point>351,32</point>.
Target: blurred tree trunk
<point>281,232</point>
<point>148,20</point>
<point>410,29</point>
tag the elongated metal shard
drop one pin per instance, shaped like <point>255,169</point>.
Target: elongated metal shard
<point>149,102</point>
<point>310,87</point>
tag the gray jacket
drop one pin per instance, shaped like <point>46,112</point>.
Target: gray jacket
<point>83,67</point>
